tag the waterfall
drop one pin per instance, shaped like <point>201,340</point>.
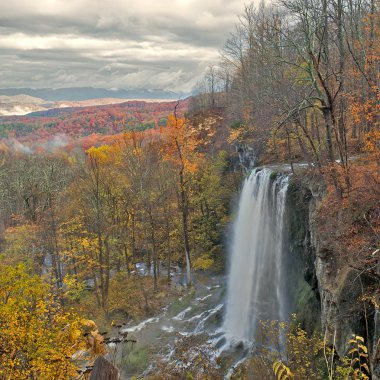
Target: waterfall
<point>257,280</point>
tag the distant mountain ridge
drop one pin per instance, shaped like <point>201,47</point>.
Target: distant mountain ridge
<point>16,99</point>
<point>87,93</point>
<point>86,125</point>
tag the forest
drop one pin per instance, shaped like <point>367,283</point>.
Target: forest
<point>133,212</point>
<point>83,127</point>
<point>78,225</point>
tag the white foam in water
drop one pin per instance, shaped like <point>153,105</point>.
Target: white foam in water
<point>168,329</point>
<point>198,316</point>
<point>201,299</point>
<point>213,287</point>
<point>180,316</point>
<point>256,285</point>
<point>141,325</point>
<point>201,325</point>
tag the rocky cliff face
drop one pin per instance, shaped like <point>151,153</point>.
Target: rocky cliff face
<point>104,370</point>
<point>347,295</point>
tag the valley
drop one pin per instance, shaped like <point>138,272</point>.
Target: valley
<point>190,190</point>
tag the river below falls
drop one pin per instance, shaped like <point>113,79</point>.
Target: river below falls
<point>198,312</point>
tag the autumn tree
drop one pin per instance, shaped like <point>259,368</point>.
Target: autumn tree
<point>179,148</point>
<point>38,338</point>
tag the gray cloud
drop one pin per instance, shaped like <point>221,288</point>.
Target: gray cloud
<point>112,43</point>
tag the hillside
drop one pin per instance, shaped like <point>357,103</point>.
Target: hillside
<point>80,122</point>
<point>17,105</point>
<point>20,104</point>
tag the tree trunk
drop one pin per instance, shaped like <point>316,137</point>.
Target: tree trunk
<point>185,216</point>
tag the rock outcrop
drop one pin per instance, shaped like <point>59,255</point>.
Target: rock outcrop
<point>340,288</point>
<point>104,370</point>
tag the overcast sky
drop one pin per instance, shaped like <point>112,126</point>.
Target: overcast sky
<point>111,43</point>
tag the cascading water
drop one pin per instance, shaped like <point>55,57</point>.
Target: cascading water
<point>257,281</point>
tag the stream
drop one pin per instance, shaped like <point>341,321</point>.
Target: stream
<point>198,312</point>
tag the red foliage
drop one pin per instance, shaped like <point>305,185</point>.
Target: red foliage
<point>92,124</point>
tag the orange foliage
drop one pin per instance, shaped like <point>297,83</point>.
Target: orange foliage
<point>365,99</point>
<point>356,218</point>
<point>179,144</point>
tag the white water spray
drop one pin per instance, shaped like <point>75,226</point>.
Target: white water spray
<point>257,283</point>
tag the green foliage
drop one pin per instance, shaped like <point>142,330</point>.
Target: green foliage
<point>181,303</point>
<point>273,176</point>
<point>236,124</point>
<point>307,308</point>
<point>162,122</point>
<point>137,358</point>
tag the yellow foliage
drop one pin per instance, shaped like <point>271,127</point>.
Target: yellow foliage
<point>234,136</point>
<point>203,263</point>
<point>359,358</point>
<point>281,371</point>
<point>102,154</point>
<point>38,338</point>
<point>72,287</point>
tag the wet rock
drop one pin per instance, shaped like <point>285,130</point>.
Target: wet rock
<point>220,343</point>
<point>104,370</point>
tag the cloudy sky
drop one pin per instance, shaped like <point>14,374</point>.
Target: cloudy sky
<point>111,43</point>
